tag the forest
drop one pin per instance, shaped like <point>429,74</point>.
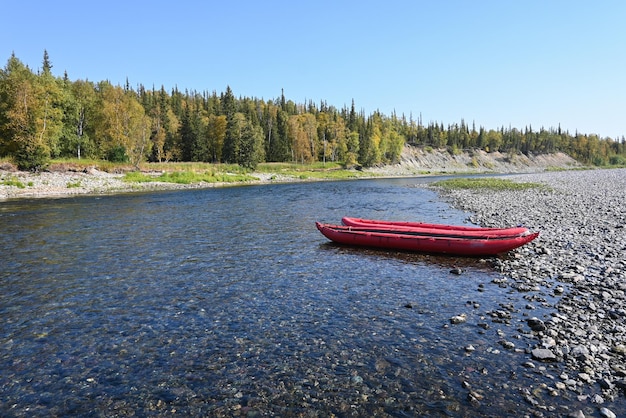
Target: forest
<point>45,117</point>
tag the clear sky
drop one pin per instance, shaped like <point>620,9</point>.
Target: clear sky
<point>537,63</point>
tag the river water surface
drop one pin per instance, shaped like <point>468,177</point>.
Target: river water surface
<point>228,302</point>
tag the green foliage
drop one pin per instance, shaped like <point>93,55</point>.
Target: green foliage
<point>328,175</point>
<point>13,181</point>
<point>117,154</point>
<point>73,184</point>
<point>43,117</point>
<point>32,156</point>
<point>454,150</point>
<point>485,183</point>
<point>251,150</point>
<point>318,170</point>
<point>192,173</point>
<point>138,177</point>
<point>294,167</point>
<point>618,160</point>
<point>187,177</point>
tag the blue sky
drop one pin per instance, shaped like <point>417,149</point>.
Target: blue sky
<point>496,63</point>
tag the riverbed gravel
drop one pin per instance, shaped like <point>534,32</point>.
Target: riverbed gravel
<point>579,258</point>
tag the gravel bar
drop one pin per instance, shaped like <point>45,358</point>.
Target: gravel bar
<point>91,181</point>
<point>579,258</point>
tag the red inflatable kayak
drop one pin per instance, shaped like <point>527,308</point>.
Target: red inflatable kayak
<point>442,242</point>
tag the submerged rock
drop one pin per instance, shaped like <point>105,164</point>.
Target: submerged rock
<point>536,324</point>
<point>543,354</point>
<point>458,319</point>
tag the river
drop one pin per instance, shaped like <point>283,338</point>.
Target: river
<point>229,302</point>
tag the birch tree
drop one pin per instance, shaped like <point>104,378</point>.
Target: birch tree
<point>122,126</point>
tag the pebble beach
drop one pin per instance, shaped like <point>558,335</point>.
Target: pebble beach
<point>580,259</point>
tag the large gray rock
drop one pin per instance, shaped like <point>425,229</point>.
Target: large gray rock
<point>543,354</point>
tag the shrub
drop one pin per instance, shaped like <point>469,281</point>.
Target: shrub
<point>32,157</point>
<point>117,155</point>
<point>617,160</point>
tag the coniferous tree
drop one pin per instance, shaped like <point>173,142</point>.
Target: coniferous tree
<point>233,127</point>
<point>186,135</point>
<point>171,124</point>
<point>251,150</point>
<point>281,150</point>
<point>352,119</point>
<point>268,122</point>
<point>46,64</point>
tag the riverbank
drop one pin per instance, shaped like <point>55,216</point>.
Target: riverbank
<point>19,184</point>
<point>578,259</point>
<point>68,180</point>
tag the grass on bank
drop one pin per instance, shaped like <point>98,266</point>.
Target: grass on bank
<point>187,177</point>
<point>196,172</point>
<point>189,173</point>
<point>486,183</point>
<point>317,170</point>
<point>12,181</point>
<point>199,172</point>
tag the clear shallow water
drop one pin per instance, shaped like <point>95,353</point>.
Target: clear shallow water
<point>228,302</point>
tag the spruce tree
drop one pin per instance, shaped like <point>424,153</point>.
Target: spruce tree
<point>229,109</point>
<point>186,135</point>
<point>46,64</point>
<point>282,150</point>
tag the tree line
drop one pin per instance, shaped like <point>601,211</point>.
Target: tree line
<point>43,117</point>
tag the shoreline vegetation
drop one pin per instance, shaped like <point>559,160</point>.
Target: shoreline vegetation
<point>65,178</point>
